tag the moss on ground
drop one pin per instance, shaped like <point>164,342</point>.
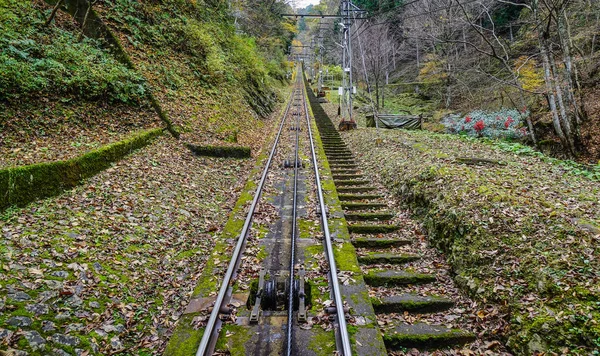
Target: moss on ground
<point>519,235</point>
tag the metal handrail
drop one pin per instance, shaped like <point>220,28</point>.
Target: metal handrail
<point>210,325</point>
<point>335,285</point>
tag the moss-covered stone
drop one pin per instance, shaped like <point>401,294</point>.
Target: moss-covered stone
<point>221,151</point>
<point>372,229</point>
<point>380,278</point>
<point>22,185</point>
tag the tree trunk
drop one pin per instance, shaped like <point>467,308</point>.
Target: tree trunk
<point>565,120</point>
<point>550,93</point>
<point>570,71</point>
<point>53,13</point>
<point>85,18</point>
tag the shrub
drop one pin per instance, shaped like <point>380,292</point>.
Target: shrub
<point>502,124</point>
<point>39,60</point>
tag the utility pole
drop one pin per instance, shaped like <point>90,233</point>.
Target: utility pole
<point>347,89</point>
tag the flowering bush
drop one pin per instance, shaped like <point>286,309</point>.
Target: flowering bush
<point>503,124</point>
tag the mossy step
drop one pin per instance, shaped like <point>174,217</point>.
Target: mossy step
<point>347,176</point>
<point>374,242</point>
<point>362,206</point>
<point>221,151</point>
<point>411,303</point>
<point>372,229</point>
<point>339,155</point>
<point>343,166</point>
<point>387,258</point>
<point>378,278</point>
<point>349,197</point>
<point>368,216</point>
<point>344,171</point>
<point>424,336</point>
<point>350,181</point>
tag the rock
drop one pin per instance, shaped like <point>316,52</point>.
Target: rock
<point>94,305</point>
<point>60,274</point>
<point>103,334</point>
<point>35,340</point>
<point>16,267</point>
<point>120,328</point>
<point>37,309</point>
<point>60,352</point>
<point>115,343</point>
<point>13,352</point>
<point>82,314</point>
<point>63,315</point>
<point>97,267</point>
<point>48,326</point>
<point>65,340</point>
<point>74,301</point>
<point>19,321</point>
<point>536,344</point>
<point>109,328</point>
<point>47,295</point>
<point>1,305</point>
<point>5,334</point>
<point>74,327</point>
<point>19,296</point>
<point>52,284</point>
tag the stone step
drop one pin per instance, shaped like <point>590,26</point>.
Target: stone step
<point>345,171</point>
<point>337,153</point>
<point>380,278</point>
<point>387,258</point>
<point>331,157</point>
<point>341,161</point>
<point>349,197</point>
<point>338,150</point>
<point>374,242</point>
<point>347,176</point>
<point>376,216</point>
<point>411,303</point>
<point>342,166</point>
<point>372,229</point>
<point>424,336</point>
<point>355,190</point>
<point>363,206</point>
<point>352,182</point>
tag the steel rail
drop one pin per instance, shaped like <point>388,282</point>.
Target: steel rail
<point>203,349</point>
<point>335,285</point>
<point>293,240</point>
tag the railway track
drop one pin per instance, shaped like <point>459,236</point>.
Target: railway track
<point>285,279</point>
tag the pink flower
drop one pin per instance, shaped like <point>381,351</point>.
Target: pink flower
<point>508,122</point>
<point>467,119</point>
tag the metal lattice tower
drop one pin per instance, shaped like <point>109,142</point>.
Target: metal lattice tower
<point>347,87</point>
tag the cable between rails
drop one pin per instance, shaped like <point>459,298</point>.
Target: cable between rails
<point>207,337</point>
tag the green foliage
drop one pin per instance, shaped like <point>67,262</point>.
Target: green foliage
<point>207,37</point>
<point>38,60</point>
